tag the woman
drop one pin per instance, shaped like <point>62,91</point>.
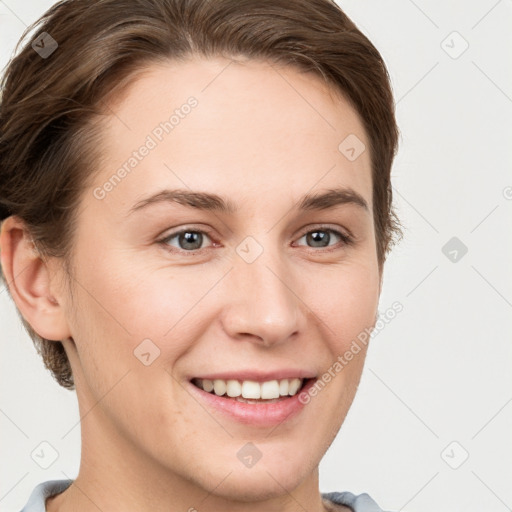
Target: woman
<point>197,208</point>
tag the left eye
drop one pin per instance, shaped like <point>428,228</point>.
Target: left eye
<point>321,237</point>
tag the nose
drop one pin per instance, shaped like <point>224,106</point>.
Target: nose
<point>262,301</point>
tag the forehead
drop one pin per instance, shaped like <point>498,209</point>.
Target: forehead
<point>240,129</point>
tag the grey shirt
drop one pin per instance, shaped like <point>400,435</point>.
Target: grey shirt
<point>36,501</point>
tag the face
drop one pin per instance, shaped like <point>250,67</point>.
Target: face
<point>249,284</point>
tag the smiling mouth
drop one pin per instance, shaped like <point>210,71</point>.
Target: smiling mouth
<point>250,391</point>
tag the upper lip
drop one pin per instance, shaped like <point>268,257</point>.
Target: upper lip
<point>257,375</point>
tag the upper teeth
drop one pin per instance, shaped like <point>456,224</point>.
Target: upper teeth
<point>250,388</point>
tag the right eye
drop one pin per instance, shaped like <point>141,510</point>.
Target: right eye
<point>186,240</point>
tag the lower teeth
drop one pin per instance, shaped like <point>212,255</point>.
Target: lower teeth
<point>260,401</point>
<point>253,401</point>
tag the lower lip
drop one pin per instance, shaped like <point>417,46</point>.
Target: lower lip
<point>260,414</point>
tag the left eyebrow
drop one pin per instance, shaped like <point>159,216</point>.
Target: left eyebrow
<point>332,198</point>
<point>213,202</point>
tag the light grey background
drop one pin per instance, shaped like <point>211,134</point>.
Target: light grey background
<point>437,386</point>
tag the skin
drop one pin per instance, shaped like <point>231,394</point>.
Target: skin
<point>262,136</point>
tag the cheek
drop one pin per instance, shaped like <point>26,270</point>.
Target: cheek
<point>346,303</point>
<point>129,302</point>
<point>345,299</point>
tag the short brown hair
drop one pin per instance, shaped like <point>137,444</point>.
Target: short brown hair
<point>49,104</point>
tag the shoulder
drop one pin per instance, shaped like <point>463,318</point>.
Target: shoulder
<point>356,502</point>
<point>38,497</point>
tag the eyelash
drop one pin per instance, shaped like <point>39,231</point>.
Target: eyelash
<point>346,240</point>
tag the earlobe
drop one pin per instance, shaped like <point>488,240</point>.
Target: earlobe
<point>29,279</point>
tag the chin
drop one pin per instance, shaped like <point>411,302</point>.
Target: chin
<point>252,485</point>
<point>274,474</point>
